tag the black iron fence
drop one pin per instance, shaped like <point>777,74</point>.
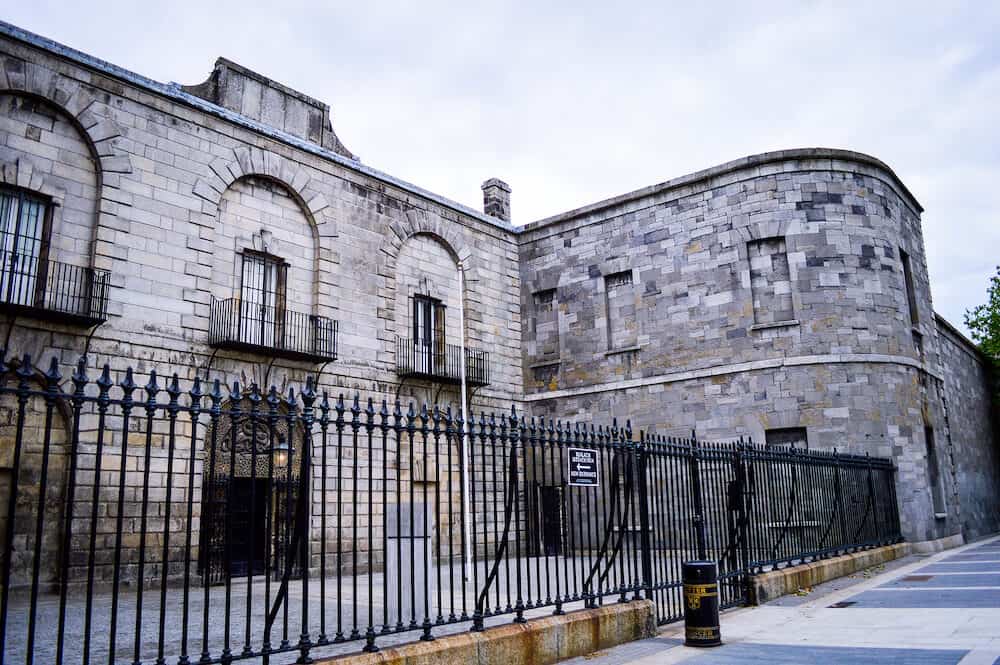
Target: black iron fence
<point>53,289</point>
<point>245,325</point>
<point>441,362</point>
<point>150,521</point>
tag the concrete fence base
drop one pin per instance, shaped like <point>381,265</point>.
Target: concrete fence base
<point>771,585</point>
<point>538,642</point>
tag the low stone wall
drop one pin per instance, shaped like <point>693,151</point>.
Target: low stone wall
<point>538,642</point>
<point>939,545</point>
<point>771,585</point>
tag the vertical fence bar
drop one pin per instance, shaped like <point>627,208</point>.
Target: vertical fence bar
<point>24,373</point>
<point>104,384</point>
<point>79,379</point>
<point>308,397</point>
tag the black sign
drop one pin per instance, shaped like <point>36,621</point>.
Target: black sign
<point>583,467</point>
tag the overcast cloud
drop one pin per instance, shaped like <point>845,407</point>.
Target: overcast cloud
<point>571,104</point>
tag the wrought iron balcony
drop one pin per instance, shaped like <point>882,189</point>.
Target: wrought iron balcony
<point>441,362</point>
<point>52,290</point>
<point>247,326</point>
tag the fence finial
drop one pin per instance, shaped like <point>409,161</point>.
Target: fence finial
<point>79,377</point>
<point>151,387</point>
<point>174,389</point>
<point>195,392</point>
<point>104,381</point>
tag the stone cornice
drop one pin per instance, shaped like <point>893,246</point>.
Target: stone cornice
<point>734,368</point>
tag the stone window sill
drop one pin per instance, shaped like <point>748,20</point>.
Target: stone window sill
<point>624,349</point>
<point>940,516</point>
<point>776,324</point>
<point>544,363</point>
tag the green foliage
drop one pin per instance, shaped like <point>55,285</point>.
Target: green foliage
<point>983,321</point>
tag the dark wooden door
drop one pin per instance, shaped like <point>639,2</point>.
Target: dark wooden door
<point>249,515</point>
<point>551,518</point>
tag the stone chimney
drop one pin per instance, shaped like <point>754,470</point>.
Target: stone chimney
<point>496,199</point>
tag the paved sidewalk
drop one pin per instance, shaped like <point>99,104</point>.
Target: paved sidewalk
<point>943,609</point>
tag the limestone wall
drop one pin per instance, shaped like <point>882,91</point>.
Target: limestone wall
<point>168,192</point>
<point>766,294</point>
<point>968,391</point>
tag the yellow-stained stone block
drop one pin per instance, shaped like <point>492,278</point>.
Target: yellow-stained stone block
<point>538,642</point>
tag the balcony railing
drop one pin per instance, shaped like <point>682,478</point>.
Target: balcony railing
<point>52,290</point>
<point>441,362</point>
<point>247,326</point>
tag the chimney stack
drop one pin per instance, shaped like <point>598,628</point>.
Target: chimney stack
<point>496,199</point>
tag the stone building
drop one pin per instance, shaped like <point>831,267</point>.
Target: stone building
<point>225,229</point>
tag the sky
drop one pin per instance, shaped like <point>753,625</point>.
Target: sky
<point>571,103</point>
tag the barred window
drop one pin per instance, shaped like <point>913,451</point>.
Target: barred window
<point>545,300</point>
<point>618,280</point>
<point>792,437</point>
<point>24,232</point>
<point>262,298</point>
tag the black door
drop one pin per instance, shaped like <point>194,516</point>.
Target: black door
<point>249,515</point>
<point>551,518</point>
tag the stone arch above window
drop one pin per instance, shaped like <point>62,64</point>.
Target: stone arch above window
<point>252,161</point>
<point>751,231</point>
<point>69,96</point>
<point>259,216</point>
<point>418,223</point>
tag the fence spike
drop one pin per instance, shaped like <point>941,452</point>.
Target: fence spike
<point>79,377</point>
<point>324,408</point>
<point>195,392</point>
<point>356,411</point>
<point>174,389</point>
<point>52,376</point>
<point>104,381</point>
<point>25,369</point>
<point>216,394</point>
<point>436,419</point>
<point>151,387</point>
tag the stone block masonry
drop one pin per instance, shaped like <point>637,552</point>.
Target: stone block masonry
<point>786,291</point>
<point>781,292</point>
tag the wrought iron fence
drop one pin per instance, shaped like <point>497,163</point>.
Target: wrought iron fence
<point>241,324</point>
<point>150,521</point>
<point>52,288</point>
<point>441,362</point>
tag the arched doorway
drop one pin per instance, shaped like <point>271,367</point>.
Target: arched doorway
<point>251,482</point>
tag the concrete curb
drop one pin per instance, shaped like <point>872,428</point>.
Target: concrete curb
<point>939,545</point>
<point>771,585</point>
<point>538,642</point>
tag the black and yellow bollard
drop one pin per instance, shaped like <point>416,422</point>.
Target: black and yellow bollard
<point>701,604</point>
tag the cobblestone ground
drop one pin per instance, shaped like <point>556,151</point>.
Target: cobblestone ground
<point>347,609</point>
